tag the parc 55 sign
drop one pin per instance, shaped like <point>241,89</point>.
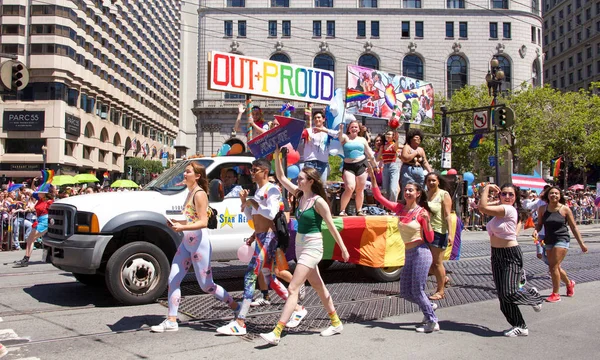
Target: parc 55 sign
<point>246,75</point>
<point>23,120</point>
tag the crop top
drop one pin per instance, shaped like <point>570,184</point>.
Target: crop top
<point>267,198</point>
<point>41,207</point>
<point>309,220</point>
<point>504,227</point>
<point>388,153</point>
<point>413,226</point>
<point>354,149</point>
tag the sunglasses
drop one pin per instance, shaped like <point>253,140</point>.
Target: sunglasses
<point>507,194</point>
<point>255,170</point>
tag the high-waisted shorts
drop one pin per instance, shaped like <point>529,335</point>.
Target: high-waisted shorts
<point>41,224</point>
<point>357,168</point>
<point>309,249</point>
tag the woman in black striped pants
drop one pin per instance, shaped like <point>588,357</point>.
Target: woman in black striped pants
<point>507,258</point>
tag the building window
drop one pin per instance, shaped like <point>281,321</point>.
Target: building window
<point>87,152</point>
<point>280,3</point>
<point>579,57</point>
<point>456,73</point>
<point>579,75</point>
<point>330,28</point>
<point>228,28</point>
<point>272,28</point>
<point>406,29</point>
<point>69,148</point>
<point>317,28</point>
<point>533,34</point>
<point>570,78</point>
<point>571,62</point>
<point>236,3</point>
<point>506,67</point>
<point>24,146</point>
<point>412,66</point>
<point>281,57</point>
<point>506,32</point>
<point>13,29</point>
<point>493,30</point>
<point>324,61</point>
<point>535,6</point>
<point>419,31</point>
<point>361,28</point>
<point>242,28</point>
<point>374,28</point>
<point>463,31</point>
<point>232,96</point>
<point>367,3</point>
<point>286,28</point>
<point>455,4</point>
<point>562,66</point>
<point>449,29</point>
<point>323,3</point>
<point>369,61</point>
<point>411,4</point>
<point>499,4</point>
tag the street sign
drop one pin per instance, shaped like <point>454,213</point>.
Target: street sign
<point>446,153</point>
<point>481,121</point>
<point>164,158</point>
<point>492,160</point>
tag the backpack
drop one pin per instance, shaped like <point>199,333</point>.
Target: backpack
<point>212,213</point>
<point>281,230</point>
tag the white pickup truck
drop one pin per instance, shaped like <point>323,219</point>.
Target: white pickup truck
<point>121,239</point>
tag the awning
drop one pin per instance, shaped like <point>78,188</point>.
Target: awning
<point>528,182</point>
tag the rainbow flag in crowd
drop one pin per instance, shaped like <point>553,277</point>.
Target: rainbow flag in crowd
<point>356,95</point>
<point>371,240</point>
<point>556,167</point>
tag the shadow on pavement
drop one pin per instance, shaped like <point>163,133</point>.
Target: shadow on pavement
<point>445,325</point>
<point>71,294</point>
<point>136,322</point>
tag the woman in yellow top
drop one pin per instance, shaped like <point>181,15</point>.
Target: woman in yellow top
<point>440,203</point>
<point>195,249</point>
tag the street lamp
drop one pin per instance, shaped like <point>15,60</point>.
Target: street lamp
<point>44,150</point>
<point>494,79</point>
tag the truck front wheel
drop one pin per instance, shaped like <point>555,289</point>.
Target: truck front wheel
<point>137,273</point>
<point>385,274</point>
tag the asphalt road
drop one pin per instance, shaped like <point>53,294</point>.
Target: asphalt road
<point>48,315</point>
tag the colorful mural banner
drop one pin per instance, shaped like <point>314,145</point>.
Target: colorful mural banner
<point>237,73</point>
<point>373,241</point>
<point>378,94</point>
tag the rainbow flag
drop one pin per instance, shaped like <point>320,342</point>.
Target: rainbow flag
<point>409,94</point>
<point>477,140</point>
<point>556,167</point>
<point>372,241</point>
<point>356,95</point>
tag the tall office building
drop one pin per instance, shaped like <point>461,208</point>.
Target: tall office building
<point>571,43</point>
<point>104,84</point>
<point>447,42</point>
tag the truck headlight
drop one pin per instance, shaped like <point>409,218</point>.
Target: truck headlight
<point>87,223</point>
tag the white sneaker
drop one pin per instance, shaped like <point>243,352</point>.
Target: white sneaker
<point>302,292</point>
<point>516,331</point>
<point>271,338</point>
<point>425,319</point>
<point>296,317</point>
<point>332,330</point>
<point>260,301</point>
<point>165,326</point>
<point>428,327</point>
<point>233,328</point>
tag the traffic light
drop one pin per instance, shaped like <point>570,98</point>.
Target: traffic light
<point>129,170</point>
<point>14,75</point>
<point>505,117</point>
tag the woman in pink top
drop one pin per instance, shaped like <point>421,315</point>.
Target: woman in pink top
<point>507,258</point>
<point>414,226</point>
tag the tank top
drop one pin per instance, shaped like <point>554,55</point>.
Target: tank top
<point>388,153</point>
<point>353,149</point>
<point>555,226</point>
<point>410,227</point>
<point>309,221</point>
<point>437,221</point>
<point>189,209</point>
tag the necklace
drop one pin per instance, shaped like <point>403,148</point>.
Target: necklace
<point>409,212</point>
<point>306,207</point>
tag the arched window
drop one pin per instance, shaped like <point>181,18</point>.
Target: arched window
<point>412,66</point>
<point>104,135</point>
<point>369,61</point>
<point>535,74</point>
<point>89,131</point>
<point>505,66</point>
<point>281,57</point>
<point>324,61</point>
<point>117,140</point>
<point>456,73</point>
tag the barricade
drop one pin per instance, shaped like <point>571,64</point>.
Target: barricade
<point>7,232</point>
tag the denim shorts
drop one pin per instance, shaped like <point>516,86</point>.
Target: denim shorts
<point>439,240</point>
<point>558,244</point>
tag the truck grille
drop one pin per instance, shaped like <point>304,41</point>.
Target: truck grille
<point>61,221</point>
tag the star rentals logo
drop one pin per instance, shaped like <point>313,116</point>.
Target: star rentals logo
<point>228,219</point>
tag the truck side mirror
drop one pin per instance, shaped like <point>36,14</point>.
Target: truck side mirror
<point>215,191</point>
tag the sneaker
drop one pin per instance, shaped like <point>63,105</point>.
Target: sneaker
<point>571,289</point>
<point>424,321</point>
<point>165,326</point>
<point>21,263</point>
<point>538,307</point>
<point>3,350</point>
<point>428,327</point>
<point>271,338</point>
<point>333,330</point>
<point>233,328</point>
<point>302,293</point>
<point>554,297</point>
<point>260,301</point>
<point>516,331</point>
<point>296,317</point>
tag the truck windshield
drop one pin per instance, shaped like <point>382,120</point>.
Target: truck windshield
<point>172,178</point>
